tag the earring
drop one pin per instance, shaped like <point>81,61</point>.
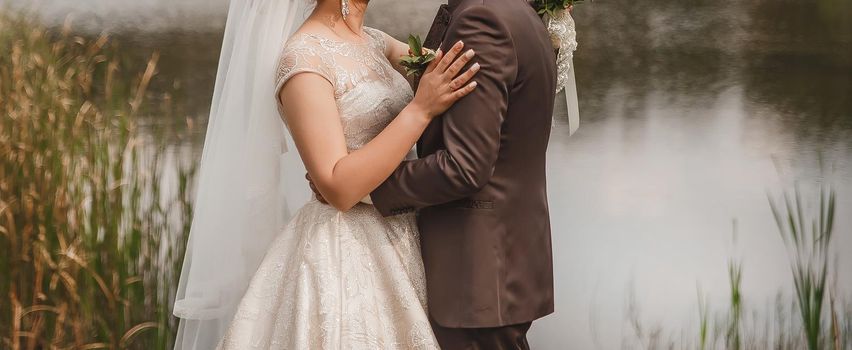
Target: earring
<point>344,8</point>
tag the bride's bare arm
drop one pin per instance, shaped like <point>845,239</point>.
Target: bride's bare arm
<point>394,51</point>
<point>345,178</point>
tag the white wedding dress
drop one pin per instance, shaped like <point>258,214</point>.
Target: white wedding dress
<point>334,280</point>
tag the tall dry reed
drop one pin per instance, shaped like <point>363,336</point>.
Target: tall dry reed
<point>91,233</point>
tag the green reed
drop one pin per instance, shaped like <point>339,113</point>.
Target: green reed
<point>704,320</point>
<point>91,232</point>
<point>846,329</point>
<point>733,337</point>
<point>808,239</point>
<point>812,316</point>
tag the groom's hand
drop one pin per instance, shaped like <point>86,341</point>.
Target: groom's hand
<point>316,191</point>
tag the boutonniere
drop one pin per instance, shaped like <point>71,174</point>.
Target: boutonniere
<point>552,7</point>
<point>418,58</point>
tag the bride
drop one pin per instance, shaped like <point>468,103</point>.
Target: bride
<point>328,276</point>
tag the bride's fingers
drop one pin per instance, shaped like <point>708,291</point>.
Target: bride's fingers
<point>466,90</point>
<point>459,64</point>
<point>459,81</point>
<point>449,57</point>
<point>438,56</point>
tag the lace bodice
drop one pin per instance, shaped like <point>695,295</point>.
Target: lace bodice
<point>368,91</point>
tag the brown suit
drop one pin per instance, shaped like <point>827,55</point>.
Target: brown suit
<point>480,182</point>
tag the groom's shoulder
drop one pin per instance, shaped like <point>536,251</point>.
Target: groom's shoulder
<point>479,10</point>
<point>493,10</point>
<point>468,7</point>
<point>492,3</point>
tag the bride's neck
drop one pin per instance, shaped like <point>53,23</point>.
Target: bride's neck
<point>329,13</point>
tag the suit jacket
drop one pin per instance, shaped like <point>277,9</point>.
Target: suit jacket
<point>479,184</point>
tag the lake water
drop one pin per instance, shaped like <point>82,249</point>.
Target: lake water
<point>691,111</point>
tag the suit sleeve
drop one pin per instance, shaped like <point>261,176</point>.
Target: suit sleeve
<point>471,128</point>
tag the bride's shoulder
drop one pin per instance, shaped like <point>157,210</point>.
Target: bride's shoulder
<point>374,33</point>
<point>303,49</point>
<point>301,41</point>
<point>379,37</point>
<point>303,53</point>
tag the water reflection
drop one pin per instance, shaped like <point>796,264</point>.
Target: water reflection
<point>800,66</point>
<point>130,15</point>
<point>685,104</point>
<point>689,110</point>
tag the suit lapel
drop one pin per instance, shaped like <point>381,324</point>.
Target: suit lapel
<point>433,41</point>
<point>436,35</point>
<point>438,29</point>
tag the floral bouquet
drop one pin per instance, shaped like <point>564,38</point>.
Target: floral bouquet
<point>418,58</point>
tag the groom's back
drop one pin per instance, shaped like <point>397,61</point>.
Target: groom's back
<point>488,257</point>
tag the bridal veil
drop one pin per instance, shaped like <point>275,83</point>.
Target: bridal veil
<point>248,182</point>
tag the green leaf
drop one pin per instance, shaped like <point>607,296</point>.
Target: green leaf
<point>552,7</point>
<point>415,45</point>
<point>416,62</point>
<point>429,57</point>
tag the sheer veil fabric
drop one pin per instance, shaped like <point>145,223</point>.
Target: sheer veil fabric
<point>249,185</point>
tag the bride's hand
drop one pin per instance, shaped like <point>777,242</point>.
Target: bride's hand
<point>442,85</point>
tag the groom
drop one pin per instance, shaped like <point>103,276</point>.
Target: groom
<point>479,183</point>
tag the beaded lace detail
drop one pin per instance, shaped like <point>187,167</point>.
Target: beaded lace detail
<point>368,91</point>
<point>563,34</point>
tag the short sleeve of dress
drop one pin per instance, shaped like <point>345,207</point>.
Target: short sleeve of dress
<point>379,38</point>
<point>299,57</point>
